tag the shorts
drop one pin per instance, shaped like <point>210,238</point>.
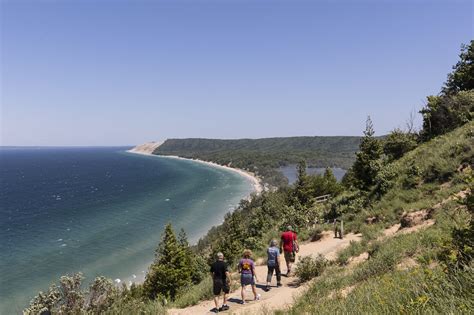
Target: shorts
<point>247,279</point>
<point>219,286</point>
<point>290,257</point>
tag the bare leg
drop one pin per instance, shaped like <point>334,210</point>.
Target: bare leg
<point>225,298</point>
<point>254,290</point>
<point>216,301</point>
<point>242,293</point>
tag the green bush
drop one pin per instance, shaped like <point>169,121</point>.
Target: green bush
<point>397,143</point>
<point>309,267</point>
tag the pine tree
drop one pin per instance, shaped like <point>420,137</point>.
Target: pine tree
<point>331,185</point>
<point>367,163</point>
<point>302,187</point>
<point>171,270</point>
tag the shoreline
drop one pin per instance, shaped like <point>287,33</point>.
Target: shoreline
<point>139,277</point>
<point>256,182</point>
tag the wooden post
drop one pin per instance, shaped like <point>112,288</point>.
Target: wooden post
<point>342,229</point>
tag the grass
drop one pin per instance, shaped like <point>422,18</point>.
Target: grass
<point>379,286</point>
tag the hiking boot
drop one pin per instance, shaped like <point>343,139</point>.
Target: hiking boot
<point>279,285</point>
<point>267,288</point>
<point>215,310</point>
<point>224,307</point>
<point>257,297</point>
<point>242,302</point>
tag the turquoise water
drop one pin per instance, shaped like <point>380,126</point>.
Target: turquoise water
<point>100,211</point>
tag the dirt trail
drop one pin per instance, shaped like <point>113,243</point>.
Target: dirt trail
<point>276,298</point>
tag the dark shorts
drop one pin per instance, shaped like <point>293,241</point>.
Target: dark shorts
<point>247,279</point>
<point>219,286</point>
<point>290,257</point>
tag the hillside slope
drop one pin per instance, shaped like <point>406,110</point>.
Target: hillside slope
<point>404,255</point>
<point>263,156</point>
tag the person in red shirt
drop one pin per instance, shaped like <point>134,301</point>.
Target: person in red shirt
<point>289,246</point>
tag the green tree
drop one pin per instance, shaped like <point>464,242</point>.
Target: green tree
<point>397,143</point>
<point>302,191</point>
<point>462,77</point>
<point>170,272</point>
<point>446,112</point>
<point>367,163</point>
<point>196,264</point>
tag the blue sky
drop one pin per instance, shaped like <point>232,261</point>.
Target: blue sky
<point>126,72</point>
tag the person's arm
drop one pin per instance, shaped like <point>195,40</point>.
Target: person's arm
<point>281,244</point>
<point>278,258</point>
<point>254,272</point>
<point>229,277</point>
<point>296,242</point>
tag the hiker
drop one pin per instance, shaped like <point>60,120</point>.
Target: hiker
<point>247,274</point>
<point>289,246</point>
<point>221,282</point>
<point>273,264</point>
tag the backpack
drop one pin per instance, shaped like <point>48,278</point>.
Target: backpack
<point>293,244</point>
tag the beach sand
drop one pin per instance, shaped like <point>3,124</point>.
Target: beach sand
<point>148,148</point>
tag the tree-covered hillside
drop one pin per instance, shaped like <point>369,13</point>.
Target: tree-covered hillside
<point>263,156</point>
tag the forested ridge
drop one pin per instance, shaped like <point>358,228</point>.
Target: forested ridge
<point>264,156</point>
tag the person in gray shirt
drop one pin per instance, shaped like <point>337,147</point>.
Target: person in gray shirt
<point>273,264</point>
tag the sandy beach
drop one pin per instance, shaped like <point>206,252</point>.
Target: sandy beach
<point>256,182</point>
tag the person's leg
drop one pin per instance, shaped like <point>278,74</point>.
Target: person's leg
<point>254,290</point>
<point>226,292</point>
<point>269,276</point>
<point>287,261</point>
<point>217,291</point>
<point>278,275</point>
<point>242,293</point>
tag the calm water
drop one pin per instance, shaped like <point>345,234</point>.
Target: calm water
<point>99,211</point>
<point>291,173</point>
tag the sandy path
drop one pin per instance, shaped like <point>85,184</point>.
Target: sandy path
<point>276,298</point>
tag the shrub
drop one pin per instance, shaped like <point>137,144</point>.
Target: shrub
<point>309,267</point>
<point>65,298</point>
<point>446,112</point>
<point>101,295</point>
<point>397,143</point>
<point>385,179</point>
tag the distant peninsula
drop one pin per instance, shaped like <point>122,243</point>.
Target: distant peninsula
<point>263,156</point>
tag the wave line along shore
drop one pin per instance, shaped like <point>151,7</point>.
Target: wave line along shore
<point>148,148</point>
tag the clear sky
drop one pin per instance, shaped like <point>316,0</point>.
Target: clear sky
<point>124,72</point>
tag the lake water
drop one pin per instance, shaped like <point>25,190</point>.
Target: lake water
<point>291,173</point>
<point>100,211</point>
